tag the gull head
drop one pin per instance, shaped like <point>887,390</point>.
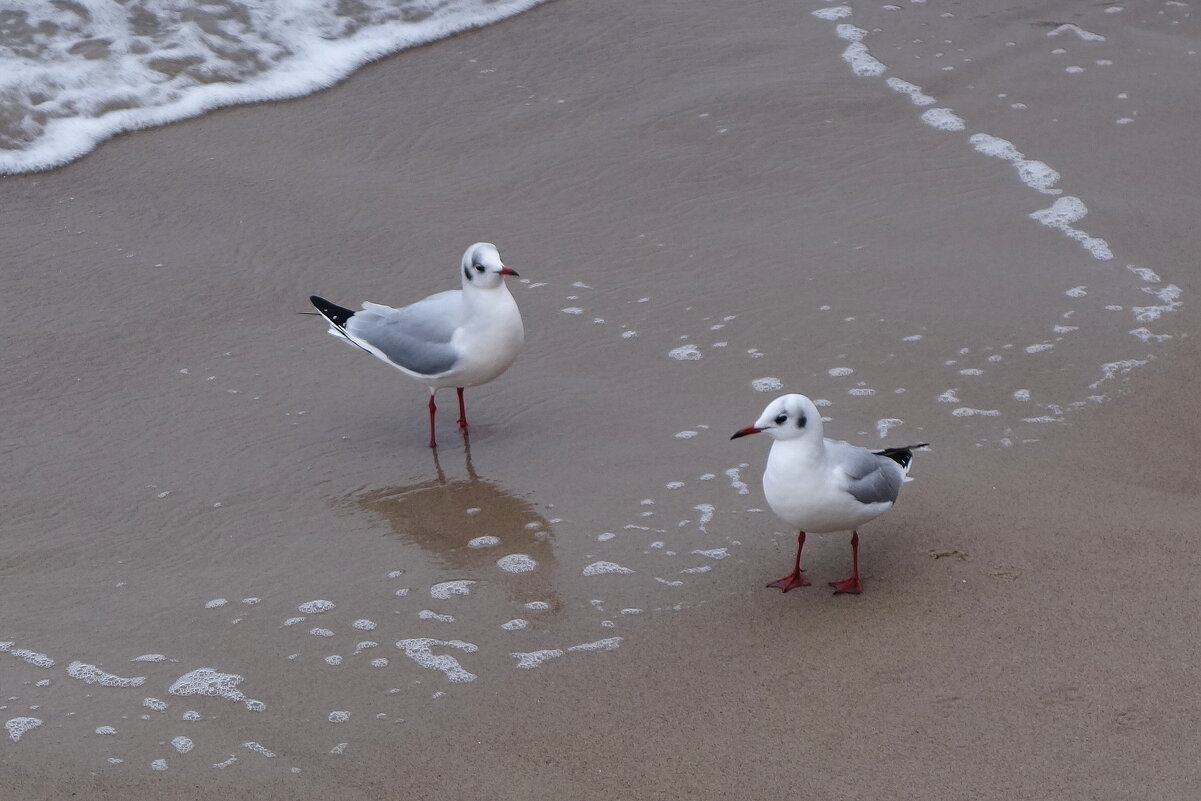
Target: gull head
<point>482,266</point>
<point>787,417</point>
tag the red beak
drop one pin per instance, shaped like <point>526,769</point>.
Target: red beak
<point>743,432</point>
<point>507,271</point>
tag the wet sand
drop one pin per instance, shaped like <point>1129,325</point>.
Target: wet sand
<point>177,435</point>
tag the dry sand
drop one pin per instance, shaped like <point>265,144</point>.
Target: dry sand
<point>720,162</point>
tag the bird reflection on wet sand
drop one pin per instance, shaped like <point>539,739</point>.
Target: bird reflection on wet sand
<point>442,515</point>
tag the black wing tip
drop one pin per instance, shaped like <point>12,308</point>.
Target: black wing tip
<point>338,315</point>
<point>902,456</point>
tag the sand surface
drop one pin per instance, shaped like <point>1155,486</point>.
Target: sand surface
<point>176,435</point>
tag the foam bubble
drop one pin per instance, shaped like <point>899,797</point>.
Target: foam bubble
<point>317,631</point>
<point>258,749</point>
<point>154,703</point>
<point>1039,347</point>
<point>181,744</point>
<point>767,384</point>
<point>602,568</point>
<point>446,589</point>
<point>943,119</point>
<point>832,13</point>
<point>339,716</point>
<point>516,563</point>
<point>191,714</point>
<point>1065,211</point>
<point>149,658</point>
<point>1114,369</point>
<point>206,681</point>
<point>915,93</point>
<point>90,674</point>
<point>537,606</point>
<point>1068,27</point>
<point>1034,174</point>
<point>862,62</point>
<point>1168,297</point>
<point>964,411</point>
<point>685,353</point>
<point>707,511</point>
<point>426,614</point>
<point>486,541</point>
<point>333,660</point>
<point>532,659</point>
<point>418,649</point>
<point>158,764</point>
<point>363,624</point>
<point>18,727</point>
<point>607,644</point>
<point>215,603</point>
<point>839,372</point>
<point>516,624</point>
<point>714,553</point>
<point>32,657</point>
<point>887,424</point>
<point>316,607</point>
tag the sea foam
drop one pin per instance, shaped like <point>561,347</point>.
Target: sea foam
<point>74,74</point>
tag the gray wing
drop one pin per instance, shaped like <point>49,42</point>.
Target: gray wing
<point>870,478</point>
<point>416,337</point>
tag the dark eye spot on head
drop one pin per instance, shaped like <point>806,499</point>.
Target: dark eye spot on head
<point>780,418</point>
<point>479,268</point>
<point>800,422</point>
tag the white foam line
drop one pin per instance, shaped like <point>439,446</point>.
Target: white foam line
<point>1168,296</point>
<point>914,91</point>
<point>1114,369</point>
<point>1060,216</point>
<point>1034,174</point>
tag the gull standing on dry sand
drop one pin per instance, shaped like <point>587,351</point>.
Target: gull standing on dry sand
<point>820,485</point>
<point>457,338</point>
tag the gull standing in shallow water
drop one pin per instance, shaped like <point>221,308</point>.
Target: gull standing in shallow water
<point>820,485</point>
<point>457,338</point>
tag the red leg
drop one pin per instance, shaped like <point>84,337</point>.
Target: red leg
<point>793,579</point>
<point>433,411</point>
<point>462,410</point>
<point>850,585</point>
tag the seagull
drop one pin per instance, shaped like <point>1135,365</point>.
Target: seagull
<point>457,338</point>
<point>820,485</point>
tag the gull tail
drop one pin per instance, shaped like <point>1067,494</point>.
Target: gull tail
<point>336,314</point>
<point>902,456</point>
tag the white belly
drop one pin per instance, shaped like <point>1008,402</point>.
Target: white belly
<point>817,508</point>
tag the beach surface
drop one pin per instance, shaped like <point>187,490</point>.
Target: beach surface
<point>707,208</point>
